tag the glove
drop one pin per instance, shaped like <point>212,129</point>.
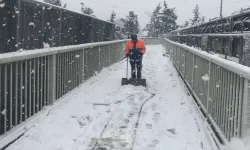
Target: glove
<point>127,55</point>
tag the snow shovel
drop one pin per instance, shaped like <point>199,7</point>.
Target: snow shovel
<point>135,82</point>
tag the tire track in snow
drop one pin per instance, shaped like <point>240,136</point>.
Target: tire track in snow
<point>138,119</point>
<point>134,122</point>
<point>106,125</point>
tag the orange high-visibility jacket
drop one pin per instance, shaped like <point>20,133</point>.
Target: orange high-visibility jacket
<point>139,45</point>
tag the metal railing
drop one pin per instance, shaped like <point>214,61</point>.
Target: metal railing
<point>34,79</point>
<point>220,87</point>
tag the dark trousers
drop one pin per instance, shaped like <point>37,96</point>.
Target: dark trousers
<point>136,65</point>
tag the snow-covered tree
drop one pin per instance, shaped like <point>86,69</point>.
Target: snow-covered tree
<point>203,19</point>
<point>196,18</point>
<point>112,16</point>
<point>54,2</point>
<point>153,28</point>
<point>168,19</point>
<point>186,24</point>
<point>87,10</point>
<point>163,20</point>
<point>131,25</point>
<point>119,25</point>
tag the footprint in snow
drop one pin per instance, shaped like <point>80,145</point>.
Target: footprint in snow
<point>153,106</point>
<point>149,126</point>
<point>154,143</point>
<point>172,131</point>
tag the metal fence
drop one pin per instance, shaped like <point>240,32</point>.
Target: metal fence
<point>220,87</point>
<point>28,24</point>
<point>34,79</point>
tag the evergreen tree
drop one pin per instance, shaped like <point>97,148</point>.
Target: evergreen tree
<point>186,24</point>
<point>153,28</point>
<point>196,18</point>
<point>131,25</point>
<point>87,10</point>
<point>168,19</point>
<point>65,5</point>
<point>112,17</point>
<point>203,19</point>
<point>54,2</point>
<point>162,21</point>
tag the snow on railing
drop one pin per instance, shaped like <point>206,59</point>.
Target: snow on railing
<point>220,87</point>
<point>32,80</point>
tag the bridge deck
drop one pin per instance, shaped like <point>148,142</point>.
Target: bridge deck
<point>102,113</point>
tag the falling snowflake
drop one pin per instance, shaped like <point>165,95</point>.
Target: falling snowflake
<point>205,77</point>
<point>69,81</point>
<point>2,5</point>
<point>31,24</point>
<point>196,66</point>
<point>4,112</point>
<point>217,85</point>
<point>77,56</point>
<point>4,25</point>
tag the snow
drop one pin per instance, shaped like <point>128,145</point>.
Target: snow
<point>2,5</point>
<point>102,113</point>
<point>205,77</point>
<point>31,24</point>
<point>238,144</point>
<point>46,45</point>
<point>3,112</point>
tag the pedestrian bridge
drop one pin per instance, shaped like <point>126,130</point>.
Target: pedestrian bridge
<point>71,98</point>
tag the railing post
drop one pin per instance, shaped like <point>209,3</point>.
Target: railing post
<point>193,71</point>
<point>83,67</point>
<point>208,86</point>
<point>109,54</point>
<point>99,59</point>
<point>185,64</point>
<point>52,79</point>
<point>245,127</point>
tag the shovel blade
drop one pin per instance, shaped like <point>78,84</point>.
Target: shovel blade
<point>135,82</point>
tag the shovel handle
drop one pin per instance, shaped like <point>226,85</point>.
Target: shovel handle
<point>127,69</point>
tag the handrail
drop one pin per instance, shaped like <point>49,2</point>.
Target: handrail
<point>244,71</point>
<point>29,54</point>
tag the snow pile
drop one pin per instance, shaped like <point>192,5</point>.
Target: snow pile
<point>238,144</point>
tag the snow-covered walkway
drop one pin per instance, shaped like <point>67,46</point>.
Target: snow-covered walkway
<point>102,113</point>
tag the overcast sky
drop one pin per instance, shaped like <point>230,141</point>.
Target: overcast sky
<point>143,8</point>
